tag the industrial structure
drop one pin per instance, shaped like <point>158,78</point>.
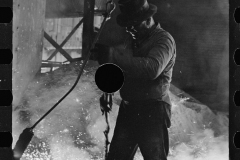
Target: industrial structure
<point>205,77</point>
<point>50,33</point>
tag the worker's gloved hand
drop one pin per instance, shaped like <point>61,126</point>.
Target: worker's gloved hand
<point>100,53</point>
<point>105,104</point>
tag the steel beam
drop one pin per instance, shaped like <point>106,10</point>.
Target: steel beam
<point>87,35</point>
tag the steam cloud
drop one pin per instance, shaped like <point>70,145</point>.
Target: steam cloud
<point>74,130</point>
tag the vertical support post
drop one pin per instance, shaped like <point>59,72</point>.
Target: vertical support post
<point>87,35</point>
<point>28,24</point>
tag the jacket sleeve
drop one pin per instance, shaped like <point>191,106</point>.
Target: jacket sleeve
<point>149,67</point>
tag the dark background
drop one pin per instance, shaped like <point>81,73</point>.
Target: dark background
<point>200,29</point>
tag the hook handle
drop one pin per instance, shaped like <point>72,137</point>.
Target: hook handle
<point>109,10</point>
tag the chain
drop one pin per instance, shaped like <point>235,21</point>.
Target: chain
<point>108,100</point>
<point>106,132</point>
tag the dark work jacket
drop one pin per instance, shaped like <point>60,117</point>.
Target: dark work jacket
<point>147,67</point>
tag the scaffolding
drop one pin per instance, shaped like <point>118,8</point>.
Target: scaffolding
<point>66,39</point>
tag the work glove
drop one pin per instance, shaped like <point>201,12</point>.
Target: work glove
<point>100,53</point>
<point>106,103</point>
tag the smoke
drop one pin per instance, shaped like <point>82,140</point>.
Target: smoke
<point>200,29</point>
<point>74,130</point>
<point>62,148</point>
<point>203,146</point>
<point>98,125</point>
<point>207,133</point>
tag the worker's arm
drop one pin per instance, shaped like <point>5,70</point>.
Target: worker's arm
<point>149,67</point>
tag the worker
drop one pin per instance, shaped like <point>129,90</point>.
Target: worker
<point>147,58</point>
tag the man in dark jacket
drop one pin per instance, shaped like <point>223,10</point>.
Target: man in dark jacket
<point>147,59</point>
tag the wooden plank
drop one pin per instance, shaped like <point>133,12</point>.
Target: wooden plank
<point>66,39</point>
<point>59,48</point>
<point>50,65</point>
<point>71,8</point>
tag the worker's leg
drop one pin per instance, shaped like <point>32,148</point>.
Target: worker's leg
<point>155,144</point>
<point>153,139</point>
<point>123,145</point>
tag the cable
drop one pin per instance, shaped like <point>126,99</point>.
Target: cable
<point>106,16</point>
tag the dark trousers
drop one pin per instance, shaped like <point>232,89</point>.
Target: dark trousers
<point>144,126</point>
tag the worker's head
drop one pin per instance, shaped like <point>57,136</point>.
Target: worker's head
<point>141,29</point>
<point>134,12</point>
<point>136,16</point>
